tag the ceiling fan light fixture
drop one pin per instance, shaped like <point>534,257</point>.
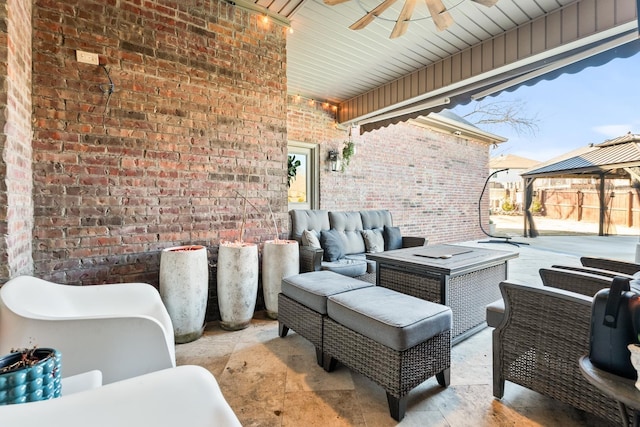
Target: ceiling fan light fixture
<point>370,16</point>
<point>439,13</point>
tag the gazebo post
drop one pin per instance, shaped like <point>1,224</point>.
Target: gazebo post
<point>603,206</point>
<point>529,228</point>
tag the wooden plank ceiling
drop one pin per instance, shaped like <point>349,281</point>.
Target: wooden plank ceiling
<point>370,76</point>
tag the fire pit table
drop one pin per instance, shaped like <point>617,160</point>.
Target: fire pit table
<point>463,278</point>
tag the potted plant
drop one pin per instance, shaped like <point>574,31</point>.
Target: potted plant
<point>29,375</point>
<point>238,271</point>
<point>280,259</point>
<point>292,169</point>
<point>184,288</point>
<point>237,279</point>
<point>348,151</point>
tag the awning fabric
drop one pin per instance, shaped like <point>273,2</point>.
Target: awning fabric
<point>464,96</point>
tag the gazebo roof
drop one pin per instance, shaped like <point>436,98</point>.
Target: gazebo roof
<point>612,157</point>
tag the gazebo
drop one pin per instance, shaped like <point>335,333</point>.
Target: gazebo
<point>613,159</point>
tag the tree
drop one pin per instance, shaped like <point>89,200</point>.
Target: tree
<point>508,113</point>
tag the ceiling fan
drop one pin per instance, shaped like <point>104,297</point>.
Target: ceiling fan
<point>441,17</point>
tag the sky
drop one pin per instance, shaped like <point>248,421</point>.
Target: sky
<point>572,111</point>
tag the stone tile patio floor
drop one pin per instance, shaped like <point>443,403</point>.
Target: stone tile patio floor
<point>271,381</point>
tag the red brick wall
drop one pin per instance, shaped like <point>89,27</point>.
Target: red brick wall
<point>198,113</point>
<point>430,181</point>
<point>16,203</point>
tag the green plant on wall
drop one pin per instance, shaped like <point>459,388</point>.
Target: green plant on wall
<point>347,152</point>
<point>293,164</point>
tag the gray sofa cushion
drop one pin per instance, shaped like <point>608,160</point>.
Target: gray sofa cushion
<point>347,266</point>
<point>332,243</point>
<point>301,219</point>
<point>392,238</point>
<point>371,265</point>
<point>312,289</point>
<point>495,313</point>
<point>375,219</point>
<point>349,224</point>
<point>310,238</point>
<point>396,320</point>
<point>373,240</point>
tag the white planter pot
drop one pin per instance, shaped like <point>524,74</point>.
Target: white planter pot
<point>280,258</point>
<point>237,284</point>
<point>184,286</point>
<point>635,360</point>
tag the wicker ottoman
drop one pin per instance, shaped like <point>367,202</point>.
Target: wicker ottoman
<point>302,303</point>
<point>394,339</point>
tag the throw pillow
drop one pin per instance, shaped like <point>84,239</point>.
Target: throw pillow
<point>309,238</point>
<point>392,238</point>
<point>331,242</point>
<point>373,241</point>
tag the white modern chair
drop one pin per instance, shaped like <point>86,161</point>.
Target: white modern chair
<point>122,330</point>
<point>186,395</point>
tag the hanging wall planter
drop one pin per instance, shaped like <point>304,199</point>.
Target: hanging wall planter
<point>30,375</point>
<point>184,285</point>
<point>237,277</point>
<point>280,258</point>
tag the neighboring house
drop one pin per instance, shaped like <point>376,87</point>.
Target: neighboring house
<point>507,185</point>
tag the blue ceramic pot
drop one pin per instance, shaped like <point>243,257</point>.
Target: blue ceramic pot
<point>29,384</point>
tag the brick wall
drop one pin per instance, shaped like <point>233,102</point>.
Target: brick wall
<point>198,114</point>
<point>430,181</point>
<point>16,203</point>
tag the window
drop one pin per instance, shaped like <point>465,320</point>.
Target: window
<point>304,188</point>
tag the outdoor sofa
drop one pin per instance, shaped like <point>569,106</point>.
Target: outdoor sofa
<point>339,240</point>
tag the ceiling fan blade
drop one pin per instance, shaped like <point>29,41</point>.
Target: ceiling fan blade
<point>366,19</point>
<point>334,2</point>
<point>441,17</point>
<point>487,3</point>
<point>403,19</point>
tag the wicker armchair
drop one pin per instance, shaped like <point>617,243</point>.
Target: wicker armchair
<point>581,282</point>
<point>543,334</point>
<point>611,264</point>
<point>592,270</point>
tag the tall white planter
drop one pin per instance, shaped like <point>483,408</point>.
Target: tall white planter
<point>184,285</point>
<point>280,258</point>
<point>237,278</point>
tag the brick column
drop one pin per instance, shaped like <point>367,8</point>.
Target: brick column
<point>16,178</point>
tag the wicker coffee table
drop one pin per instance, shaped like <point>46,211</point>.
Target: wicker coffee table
<point>463,278</point>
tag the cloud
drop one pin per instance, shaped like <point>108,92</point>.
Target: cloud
<point>613,131</point>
